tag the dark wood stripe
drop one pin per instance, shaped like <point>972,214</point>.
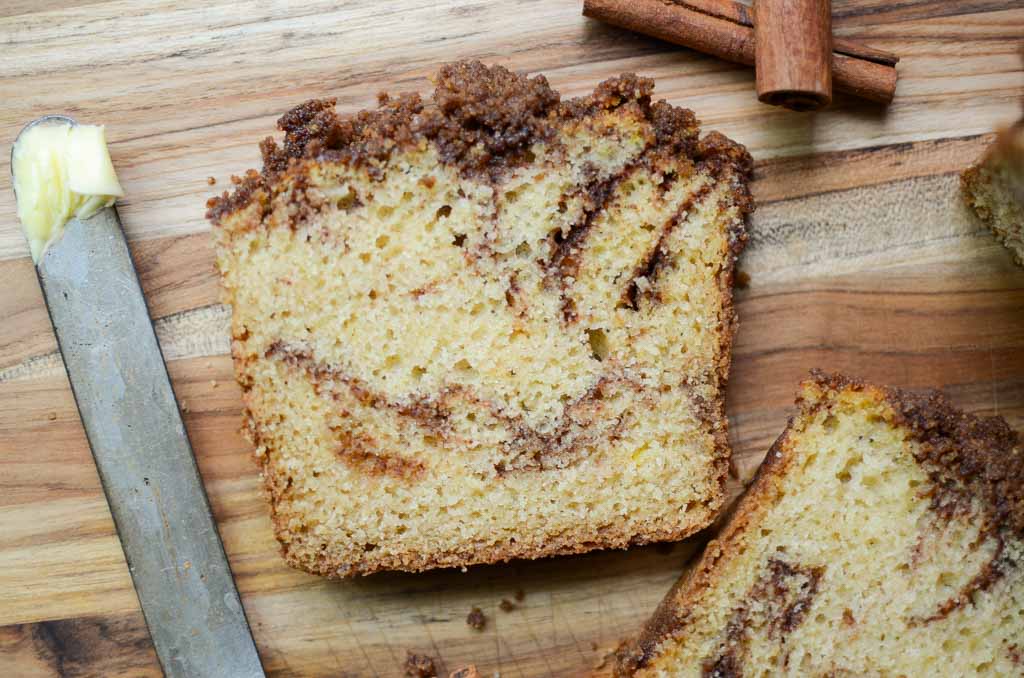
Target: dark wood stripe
<point>799,177</point>
<point>873,12</point>
<point>86,646</point>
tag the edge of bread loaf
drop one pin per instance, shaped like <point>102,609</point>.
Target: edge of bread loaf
<point>983,190</point>
<point>972,451</point>
<point>309,139</point>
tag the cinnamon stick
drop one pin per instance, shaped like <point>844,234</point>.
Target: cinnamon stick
<point>724,28</point>
<point>792,50</point>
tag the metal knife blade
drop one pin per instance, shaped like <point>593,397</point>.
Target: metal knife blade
<point>142,451</point>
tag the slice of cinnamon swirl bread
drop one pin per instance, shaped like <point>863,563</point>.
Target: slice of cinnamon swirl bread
<point>994,187</point>
<point>883,536</point>
<point>489,326</point>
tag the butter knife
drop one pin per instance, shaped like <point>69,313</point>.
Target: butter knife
<point>142,451</point>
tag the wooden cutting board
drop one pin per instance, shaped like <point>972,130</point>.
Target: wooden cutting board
<point>861,258</point>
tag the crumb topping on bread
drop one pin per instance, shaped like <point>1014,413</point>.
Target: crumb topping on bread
<point>483,120</point>
<point>967,457</point>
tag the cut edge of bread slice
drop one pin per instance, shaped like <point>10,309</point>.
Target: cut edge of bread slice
<point>994,188</point>
<point>971,489</point>
<point>480,133</point>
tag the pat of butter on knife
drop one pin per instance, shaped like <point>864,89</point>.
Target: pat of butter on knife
<point>61,171</point>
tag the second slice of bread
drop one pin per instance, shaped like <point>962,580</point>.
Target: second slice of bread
<point>883,536</point>
<point>994,188</point>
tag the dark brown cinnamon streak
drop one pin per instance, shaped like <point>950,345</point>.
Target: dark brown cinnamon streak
<point>724,28</point>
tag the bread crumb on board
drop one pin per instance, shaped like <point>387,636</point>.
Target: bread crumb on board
<point>419,665</point>
<point>476,619</point>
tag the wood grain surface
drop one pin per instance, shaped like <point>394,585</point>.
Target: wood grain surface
<point>862,259</point>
